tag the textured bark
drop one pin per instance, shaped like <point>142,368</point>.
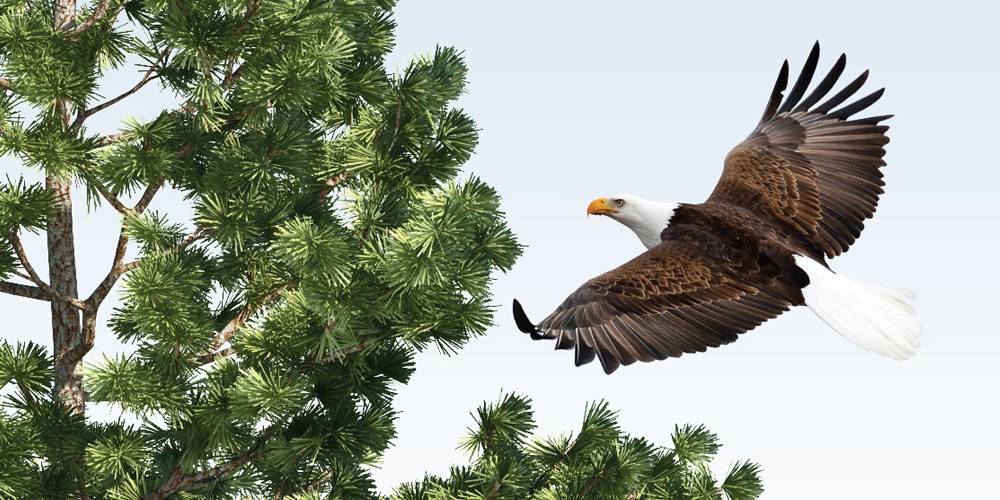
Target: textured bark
<point>66,327</point>
<point>66,331</point>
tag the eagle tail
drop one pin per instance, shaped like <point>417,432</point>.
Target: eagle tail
<point>523,323</point>
<point>875,318</point>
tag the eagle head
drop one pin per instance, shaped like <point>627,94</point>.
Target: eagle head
<point>647,219</point>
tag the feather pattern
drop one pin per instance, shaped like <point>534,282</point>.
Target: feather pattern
<point>801,184</point>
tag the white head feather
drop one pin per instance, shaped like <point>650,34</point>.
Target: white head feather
<point>647,219</point>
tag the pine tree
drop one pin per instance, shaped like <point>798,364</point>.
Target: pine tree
<point>598,461</point>
<point>332,239</point>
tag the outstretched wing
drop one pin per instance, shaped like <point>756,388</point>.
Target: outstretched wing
<point>813,169</point>
<point>681,296</point>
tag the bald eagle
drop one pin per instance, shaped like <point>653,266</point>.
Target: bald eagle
<point>793,194</point>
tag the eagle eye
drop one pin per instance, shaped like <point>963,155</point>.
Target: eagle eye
<point>620,203</point>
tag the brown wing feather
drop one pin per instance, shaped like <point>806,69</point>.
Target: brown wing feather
<point>814,174</point>
<point>813,171</point>
<point>682,296</point>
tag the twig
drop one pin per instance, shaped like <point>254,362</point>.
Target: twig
<point>107,140</point>
<point>83,114</point>
<point>238,321</point>
<point>232,76</point>
<point>186,242</point>
<point>331,183</point>
<point>108,195</point>
<point>205,359</point>
<point>33,276</point>
<point>251,10</point>
<point>100,11</point>
<point>147,195</point>
<point>117,268</point>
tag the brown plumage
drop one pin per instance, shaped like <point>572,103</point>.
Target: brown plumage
<point>802,183</point>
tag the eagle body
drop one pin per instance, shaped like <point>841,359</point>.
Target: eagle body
<point>793,194</point>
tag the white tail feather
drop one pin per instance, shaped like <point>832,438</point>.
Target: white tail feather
<point>876,318</point>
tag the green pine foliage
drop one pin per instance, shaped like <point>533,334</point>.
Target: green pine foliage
<point>598,461</point>
<point>333,238</point>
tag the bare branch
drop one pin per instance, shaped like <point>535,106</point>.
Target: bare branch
<point>83,114</point>
<point>31,292</point>
<point>117,268</point>
<point>147,195</point>
<point>100,11</point>
<point>33,276</point>
<point>89,334</point>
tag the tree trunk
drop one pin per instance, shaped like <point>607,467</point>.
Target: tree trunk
<point>66,335</point>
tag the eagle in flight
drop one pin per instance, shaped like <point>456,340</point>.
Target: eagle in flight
<point>793,194</point>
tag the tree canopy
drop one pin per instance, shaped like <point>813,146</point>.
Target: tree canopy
<point>333,237</point>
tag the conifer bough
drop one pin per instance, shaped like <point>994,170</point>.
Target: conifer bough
<point>332,239</point>
<point>597,461</point>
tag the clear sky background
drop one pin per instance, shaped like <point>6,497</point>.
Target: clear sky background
<point>582,99</point>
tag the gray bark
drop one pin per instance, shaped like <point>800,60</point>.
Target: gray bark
<point>67,341</point>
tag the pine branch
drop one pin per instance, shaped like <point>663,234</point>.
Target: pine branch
<point>331,183</point>
<point>186,242</point>
<point>33,276</point>
<point>107,140</point>
<point>178,481</point>
<point>148,194</point>
<point>117,268</point>
<point>206,359</point>
<point>83,114</point>
<point>233,74</point>
<point>26,393</point>
<point>28,291</point>
<point>112,199</point>
<point>100,11</point>
<point>251,11</point>
<point>235,324</point>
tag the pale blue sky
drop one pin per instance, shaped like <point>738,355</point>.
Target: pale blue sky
<point>582,99</point>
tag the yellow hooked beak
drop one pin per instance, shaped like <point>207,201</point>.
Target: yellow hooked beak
<point>601,206</point>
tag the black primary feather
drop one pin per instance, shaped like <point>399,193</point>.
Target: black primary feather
<point>779,87</point>
<point>824,85</point>
<point>857,106</point>
<point>802,82</point>
<point>844,94</point>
